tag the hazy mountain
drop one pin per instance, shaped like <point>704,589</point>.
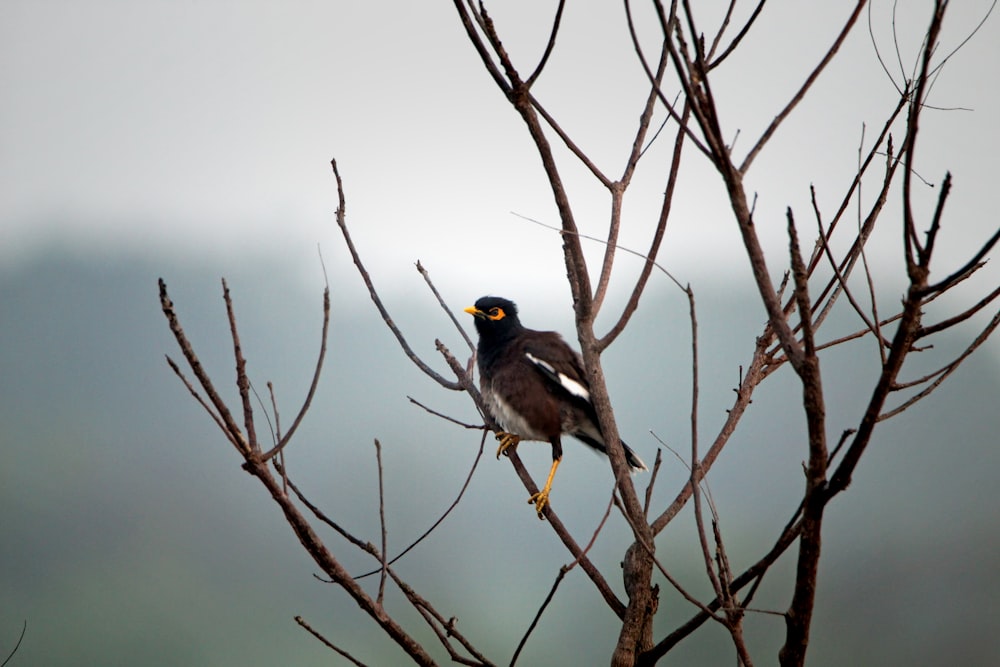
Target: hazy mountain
<point>131,536</point>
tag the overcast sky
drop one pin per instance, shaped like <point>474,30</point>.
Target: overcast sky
<point>206,129</point>
<point>193,140</point>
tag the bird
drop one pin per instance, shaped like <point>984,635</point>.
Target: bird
<point>534,385</point>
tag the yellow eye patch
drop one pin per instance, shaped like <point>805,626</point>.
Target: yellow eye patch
<point>496,314</point>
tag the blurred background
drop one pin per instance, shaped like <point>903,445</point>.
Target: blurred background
<point>191,142</point>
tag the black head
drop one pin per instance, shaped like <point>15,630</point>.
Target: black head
<point>494,315</point>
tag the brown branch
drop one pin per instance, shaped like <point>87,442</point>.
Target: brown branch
<point>948,323</point>
<point>549,46</point>
<point>577,152</point>
<point>440,519</point>
<point>970,266</point>
<point>429,410</point>
<point>211,413</point>
<point>661,226</point>
<point>694,479</point>
<point>943,373</point>
<point>444,306</point>
<point>667,104</point>
<point>648,548</point>
<point>842,279</point>
<point>381,522</point>
<point>332,567</point>
<point>557,525</point>
<point>652,481</point>
<point>444,629</point>
<point>555,584</point>
<point>308,628</point>
<point>739,36</point>
<point>831,52</point>
<point>411,355</point>
<point>618,188</point>
<point>480,46</point>
<point>242,381</point>
<point>528,108</point>
<point>798,619</point>
<point>752,574</point>
<point>324,336</point>
<point>231,430</point>
<point>744,394</point>
<point>915,261</point>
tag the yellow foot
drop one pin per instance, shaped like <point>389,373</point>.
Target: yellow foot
<point>507,441</point>
<point>540,500</point>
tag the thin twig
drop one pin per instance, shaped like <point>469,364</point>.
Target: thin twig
<point>324,335</point>
<point>24,629</point>
<point>559,577</point>
<point>411,355</point>
<point>652,481</point>
<point>549,46</point>
<point>440,519</point>
<point>231,430</point>
<point>308,628</point>
<point>242,381</point>
<point>444,306</point>
<point>473,427</point>
<point>783,114</point>
<point>381,521</point>
<point>444,629</point>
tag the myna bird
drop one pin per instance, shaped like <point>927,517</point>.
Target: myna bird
<point>535,386</point>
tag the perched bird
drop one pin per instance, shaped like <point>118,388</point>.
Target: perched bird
<point>534,384</point>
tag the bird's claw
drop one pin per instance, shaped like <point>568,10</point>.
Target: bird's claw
<point>507,441</point>
<point>540,500</point>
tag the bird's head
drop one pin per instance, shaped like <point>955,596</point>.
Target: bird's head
<point>494,315</point>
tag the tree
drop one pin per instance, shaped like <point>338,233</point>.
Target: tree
<point>834,274</point>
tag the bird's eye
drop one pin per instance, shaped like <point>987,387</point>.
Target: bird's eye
<point>496,314</point>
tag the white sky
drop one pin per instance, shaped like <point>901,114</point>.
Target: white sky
<point>205,130</point>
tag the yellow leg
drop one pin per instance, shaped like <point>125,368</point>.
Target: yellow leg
<point>541,499</point>
<point>507,440</point>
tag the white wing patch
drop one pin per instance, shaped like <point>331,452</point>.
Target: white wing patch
<point>568,383</point>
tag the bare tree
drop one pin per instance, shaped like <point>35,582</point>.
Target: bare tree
<point>815,280</point>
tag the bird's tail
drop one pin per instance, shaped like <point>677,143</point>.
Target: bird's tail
<point>631,457</point>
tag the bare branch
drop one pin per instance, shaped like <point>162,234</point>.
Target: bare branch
<point>211,413</point>
<point>559,577</point>
<point>799,616</point>
<point>444,306</point>
<point>961,317</point>
<point>667,104</point>
<point>739,36</point>
<point>548,47</point>
<point>342,223</point>
<point>943,373</point>
<point>440,519</point>
<point>652,482</point>
<point>831,52</point>
<point>231,429</point>
<point>474,427</point>
<point>308,628</point>
<point>381,522</point>
<point>444,629</point>
<point>324,336</point>
<point>24,629</point>
<point>242,381</point>
<point>661,227</point>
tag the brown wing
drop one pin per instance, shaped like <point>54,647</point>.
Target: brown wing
<point>559,363</point>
